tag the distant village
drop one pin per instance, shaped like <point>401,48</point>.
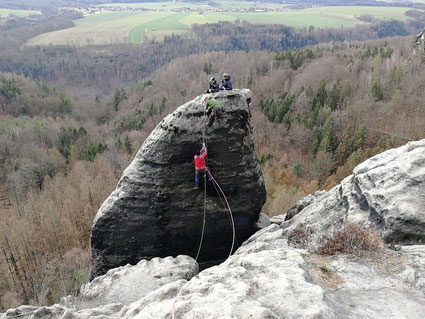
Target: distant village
<point>104,9</point>
<point>212,7</point>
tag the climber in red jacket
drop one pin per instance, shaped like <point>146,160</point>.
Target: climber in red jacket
<point>200,164</point>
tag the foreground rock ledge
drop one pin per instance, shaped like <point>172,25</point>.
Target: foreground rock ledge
<point>385,192</point>
<point>155,212</point>
<point>264,279</point>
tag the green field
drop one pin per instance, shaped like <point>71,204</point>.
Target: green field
<point>323,17</point>
<point>157,5</point>
<point>105,28</point>
<point>194,6</point>
<point>138,26</point>
<point>22,13</point>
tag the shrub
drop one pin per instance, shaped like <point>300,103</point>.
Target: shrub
<point>9,88</point>
<point>264,157</point>
<point>119,96</point>
<point>376,90</point>
<point>322,166</point>
<point>298,168</point>
<point>350,239</point>
<point>300,237</point>
<point>65,105</point>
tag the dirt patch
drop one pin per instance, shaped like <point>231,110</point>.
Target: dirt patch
<point>322,273</point>
<point>390,263</point>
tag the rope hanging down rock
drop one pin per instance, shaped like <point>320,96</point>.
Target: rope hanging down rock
<point>228,210</point>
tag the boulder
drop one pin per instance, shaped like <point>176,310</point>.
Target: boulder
<point>155,210</point>
<point>127,284</point>
<point>386,193</point>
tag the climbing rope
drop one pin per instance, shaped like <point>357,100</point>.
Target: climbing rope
<point>205,201</point>
<point>228,213</point>
<point>199,248</point>
<point>205,193</point>
<point>203,223</point>
<point>228,210</point>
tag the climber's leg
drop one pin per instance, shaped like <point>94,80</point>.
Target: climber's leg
<point>211,118</point>
<point>196,179</point>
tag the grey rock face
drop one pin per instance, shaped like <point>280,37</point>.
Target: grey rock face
<point>386,192</point>
<point>266,278</point>
<point>263,221</point>
<point>155,212</point>
<point>298,206</point>
<point>127,284</point>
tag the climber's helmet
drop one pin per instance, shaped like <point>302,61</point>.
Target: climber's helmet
<point>212,80</point>
<point>226,76</point>
<point>198,152</point>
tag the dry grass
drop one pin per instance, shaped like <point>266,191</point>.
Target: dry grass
<point>301,236</point>
<point>386,262</point>
<point>389,262</point>
<point>351,239</point>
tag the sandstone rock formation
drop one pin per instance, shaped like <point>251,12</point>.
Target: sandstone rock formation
<point>266,278</point>
<point>155,212</point>
<point>386,192</point>
<point>127,284</point>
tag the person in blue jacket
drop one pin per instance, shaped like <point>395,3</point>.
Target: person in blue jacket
<point>214,87</point>
<point>226,84</point>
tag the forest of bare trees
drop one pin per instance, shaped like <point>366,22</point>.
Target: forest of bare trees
<point>96,70</point>
<point>317,112</point>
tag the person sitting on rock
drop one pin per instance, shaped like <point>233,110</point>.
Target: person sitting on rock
<point>226,83</point>
<point>200,167</point>
<point>212,108</point>
<point>214,87</point>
